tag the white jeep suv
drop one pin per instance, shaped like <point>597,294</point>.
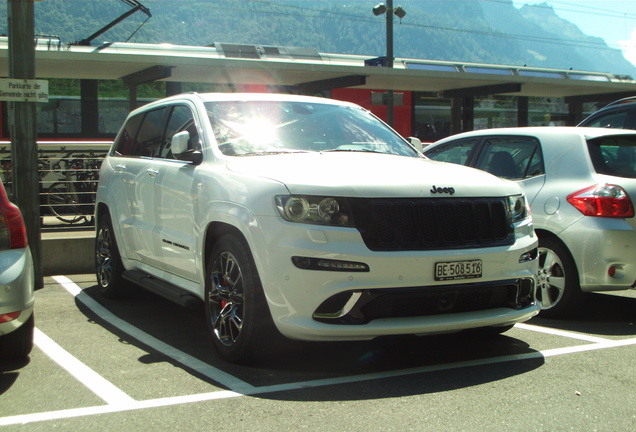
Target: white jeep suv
<point>310,218</point>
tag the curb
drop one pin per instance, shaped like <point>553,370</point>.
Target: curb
<point>68,253</point>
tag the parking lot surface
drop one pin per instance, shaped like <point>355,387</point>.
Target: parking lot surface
<point>146,364</point>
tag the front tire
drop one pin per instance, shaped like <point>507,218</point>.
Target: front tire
<point>559,292</point>
<point>237,314</point>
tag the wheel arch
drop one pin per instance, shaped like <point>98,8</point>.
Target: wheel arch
<point>542,233</point>
<point>215,231</point>
<point>101,209</point>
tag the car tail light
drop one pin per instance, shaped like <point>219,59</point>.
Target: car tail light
<point>603,201</point>
<point>12,230</point>
<point>4,318</point>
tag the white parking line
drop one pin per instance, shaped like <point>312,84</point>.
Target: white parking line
<point>111,394</point>
<point>244,389</point>
<point>201,397</point>
<point>567,334</point>
<point>223,378</point>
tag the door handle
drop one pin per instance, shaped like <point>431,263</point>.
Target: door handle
<point>120,168</point>
<point>152,172</point>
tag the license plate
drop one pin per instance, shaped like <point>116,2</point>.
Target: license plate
<point>454,270</point>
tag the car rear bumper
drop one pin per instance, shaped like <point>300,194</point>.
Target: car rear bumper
<point>605,253</point>
<point>16,287</point>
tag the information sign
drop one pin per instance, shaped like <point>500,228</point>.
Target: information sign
<point>24,90</point>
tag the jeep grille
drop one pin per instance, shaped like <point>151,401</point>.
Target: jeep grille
<point>429,224</point>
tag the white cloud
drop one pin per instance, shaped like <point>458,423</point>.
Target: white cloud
<point>629,47</point>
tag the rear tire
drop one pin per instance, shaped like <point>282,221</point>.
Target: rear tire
<point>236,310</point>
<point>19,343</point>
<point>63,203</point>
<point>108,265</point>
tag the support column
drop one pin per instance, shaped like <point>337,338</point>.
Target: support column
<point>23,129</point>
<point>575,113</point>
<point>522,111</point>
<point>132,97</point>
<point>90,108</point>
<point>468,113</point>
<point>173,88</point>
<point>456,115</point>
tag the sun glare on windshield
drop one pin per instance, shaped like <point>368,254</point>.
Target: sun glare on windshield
<point>258,128</point>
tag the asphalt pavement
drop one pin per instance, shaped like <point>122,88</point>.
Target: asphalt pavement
<point>145,364</point>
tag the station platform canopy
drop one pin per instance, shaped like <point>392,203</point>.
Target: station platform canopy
<point>309,70</point>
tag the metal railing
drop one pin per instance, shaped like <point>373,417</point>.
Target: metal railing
<point>69,174</point>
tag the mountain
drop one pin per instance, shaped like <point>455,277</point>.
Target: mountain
<point>480,31</point>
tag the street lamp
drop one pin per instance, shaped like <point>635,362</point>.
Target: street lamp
<point>388,11</point>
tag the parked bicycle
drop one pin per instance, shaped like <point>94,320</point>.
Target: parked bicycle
<point>72,199</point>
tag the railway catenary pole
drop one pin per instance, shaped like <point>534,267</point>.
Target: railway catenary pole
<point>388,10</point>
<point>23,128</point>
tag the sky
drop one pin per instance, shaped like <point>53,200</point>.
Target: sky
<point>612,20</point>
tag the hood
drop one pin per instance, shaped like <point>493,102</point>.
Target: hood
<point>371,175</point>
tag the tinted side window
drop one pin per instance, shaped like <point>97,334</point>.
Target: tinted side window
<point>457,152</point>
<point>127,143</point>
<point>511,157</point>
<point>181,119</point>
<point>151,132</point>
<point>614,120</point>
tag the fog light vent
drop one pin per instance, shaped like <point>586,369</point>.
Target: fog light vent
<point>337,306</point>
<point>525,293</point>
<point>307,263</point>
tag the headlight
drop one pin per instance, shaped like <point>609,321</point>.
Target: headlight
<point>314,210</point>
<point>518,207</point>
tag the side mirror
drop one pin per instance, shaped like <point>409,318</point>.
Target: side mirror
<point>415,142</point>
<point>181,150</point>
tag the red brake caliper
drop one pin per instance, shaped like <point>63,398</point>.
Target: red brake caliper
<point>223,302</point>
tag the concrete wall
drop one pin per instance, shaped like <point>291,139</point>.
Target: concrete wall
<point>68,253</point>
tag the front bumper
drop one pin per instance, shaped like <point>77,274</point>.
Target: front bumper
<point>302,300</point>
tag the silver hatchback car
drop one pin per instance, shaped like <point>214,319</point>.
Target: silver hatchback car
<point>580,183</point>
<point>16,283</point>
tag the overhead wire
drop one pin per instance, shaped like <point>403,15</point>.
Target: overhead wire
<point>592,44</point>
<point>599,44</point>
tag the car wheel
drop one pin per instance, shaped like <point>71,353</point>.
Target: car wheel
<point>236,311</point>
<point>559,292</point>
<point>64,203</point>
<point>108,265</point>
<point>19,343</point>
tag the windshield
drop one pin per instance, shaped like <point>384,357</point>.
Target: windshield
<point>268,127</point>
<point>614,155</point>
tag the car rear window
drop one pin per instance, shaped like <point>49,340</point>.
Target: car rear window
<point>614,155</point>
